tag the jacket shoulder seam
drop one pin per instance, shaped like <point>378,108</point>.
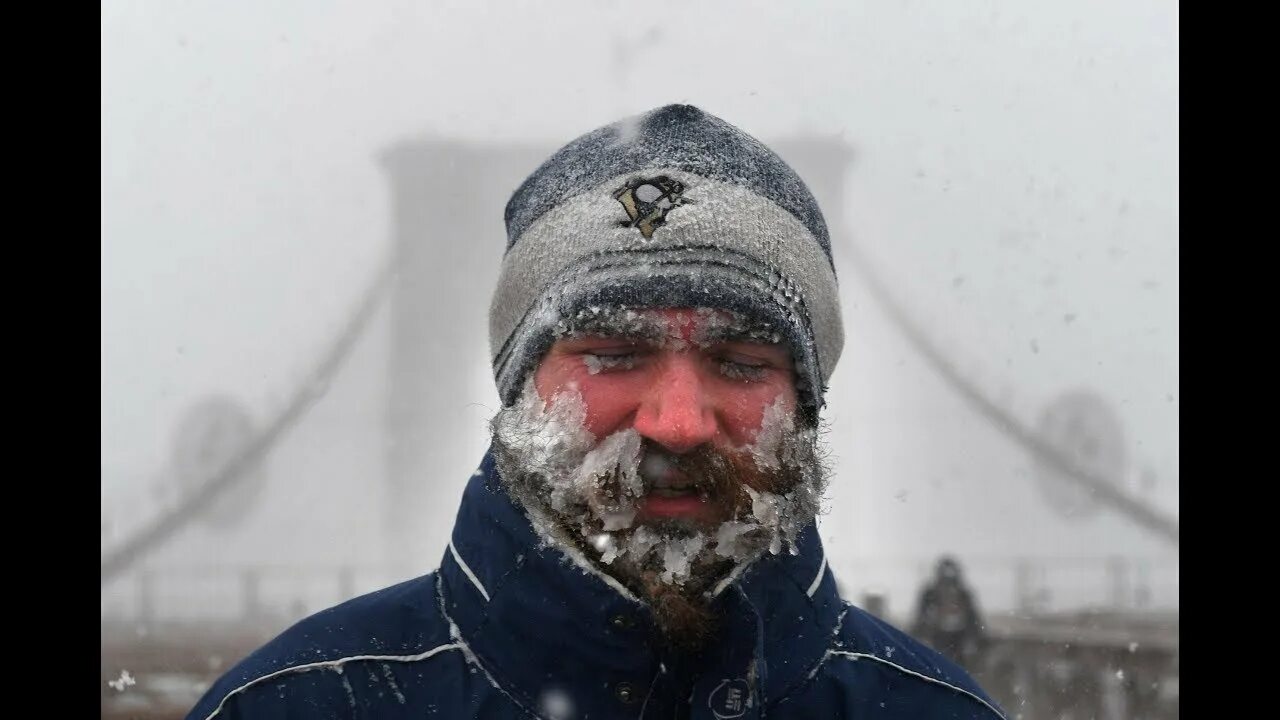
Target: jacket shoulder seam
<point>330,664</point>
<point>913,673</point>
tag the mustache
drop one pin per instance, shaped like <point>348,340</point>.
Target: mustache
<point>716,474</point>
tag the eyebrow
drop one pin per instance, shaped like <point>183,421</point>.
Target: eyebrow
<point>623,322</point>
<point>740,330</point>
<point>611,322</point>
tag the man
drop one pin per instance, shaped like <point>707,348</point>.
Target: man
<point>947,616</point>
<point>640,540</point>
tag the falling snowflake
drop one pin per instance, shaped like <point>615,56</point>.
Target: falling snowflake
<point>123,682</point>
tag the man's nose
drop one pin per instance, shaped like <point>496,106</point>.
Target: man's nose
<point>676,411</point>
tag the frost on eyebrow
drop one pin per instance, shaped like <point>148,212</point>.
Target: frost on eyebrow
<point>711,326</point>
<point>720,326</point>
<point>610,321</point>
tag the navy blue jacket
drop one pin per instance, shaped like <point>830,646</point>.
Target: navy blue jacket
<point>507,628</point>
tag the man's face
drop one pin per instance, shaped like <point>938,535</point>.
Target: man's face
<point>684,387</point>
<point>663,445</point>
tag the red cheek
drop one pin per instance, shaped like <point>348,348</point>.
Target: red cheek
<point>610,399</point>
<point>743,411</point>
<point>747,419</point>
<point>609,409</point>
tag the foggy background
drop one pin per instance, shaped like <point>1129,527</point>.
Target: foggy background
<point>1008,170</point>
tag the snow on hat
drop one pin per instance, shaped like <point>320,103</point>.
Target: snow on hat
<point>671,208</point>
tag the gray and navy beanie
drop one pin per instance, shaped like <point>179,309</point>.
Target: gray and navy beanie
<point>672,208</point>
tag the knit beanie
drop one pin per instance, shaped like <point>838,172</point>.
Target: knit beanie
<point>671,208</point>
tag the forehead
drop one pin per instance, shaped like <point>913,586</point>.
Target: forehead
<point>694,325</point>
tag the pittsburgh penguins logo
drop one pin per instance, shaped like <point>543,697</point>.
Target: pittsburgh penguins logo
<point>648,200</point>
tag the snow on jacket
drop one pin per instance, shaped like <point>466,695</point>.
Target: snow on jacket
<point>511,628</point>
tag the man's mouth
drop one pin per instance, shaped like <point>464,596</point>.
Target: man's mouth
<point>669,492</point>
<point>673,492</point>
<point>674,484</point>
<point>689,506</point>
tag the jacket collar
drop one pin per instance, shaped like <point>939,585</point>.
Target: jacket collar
<point>540,622</point>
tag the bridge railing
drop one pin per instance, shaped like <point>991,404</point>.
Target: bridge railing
<point>253,594</point>
<point>284,593</point>
<point>1017,585</point>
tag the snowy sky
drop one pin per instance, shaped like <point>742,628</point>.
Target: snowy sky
<point>1015,177</point>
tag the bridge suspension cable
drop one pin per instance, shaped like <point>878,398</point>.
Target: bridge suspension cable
<point>1107,489</point>
<point>155,532</point>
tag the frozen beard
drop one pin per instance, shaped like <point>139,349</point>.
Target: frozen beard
<point>583,495</point>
